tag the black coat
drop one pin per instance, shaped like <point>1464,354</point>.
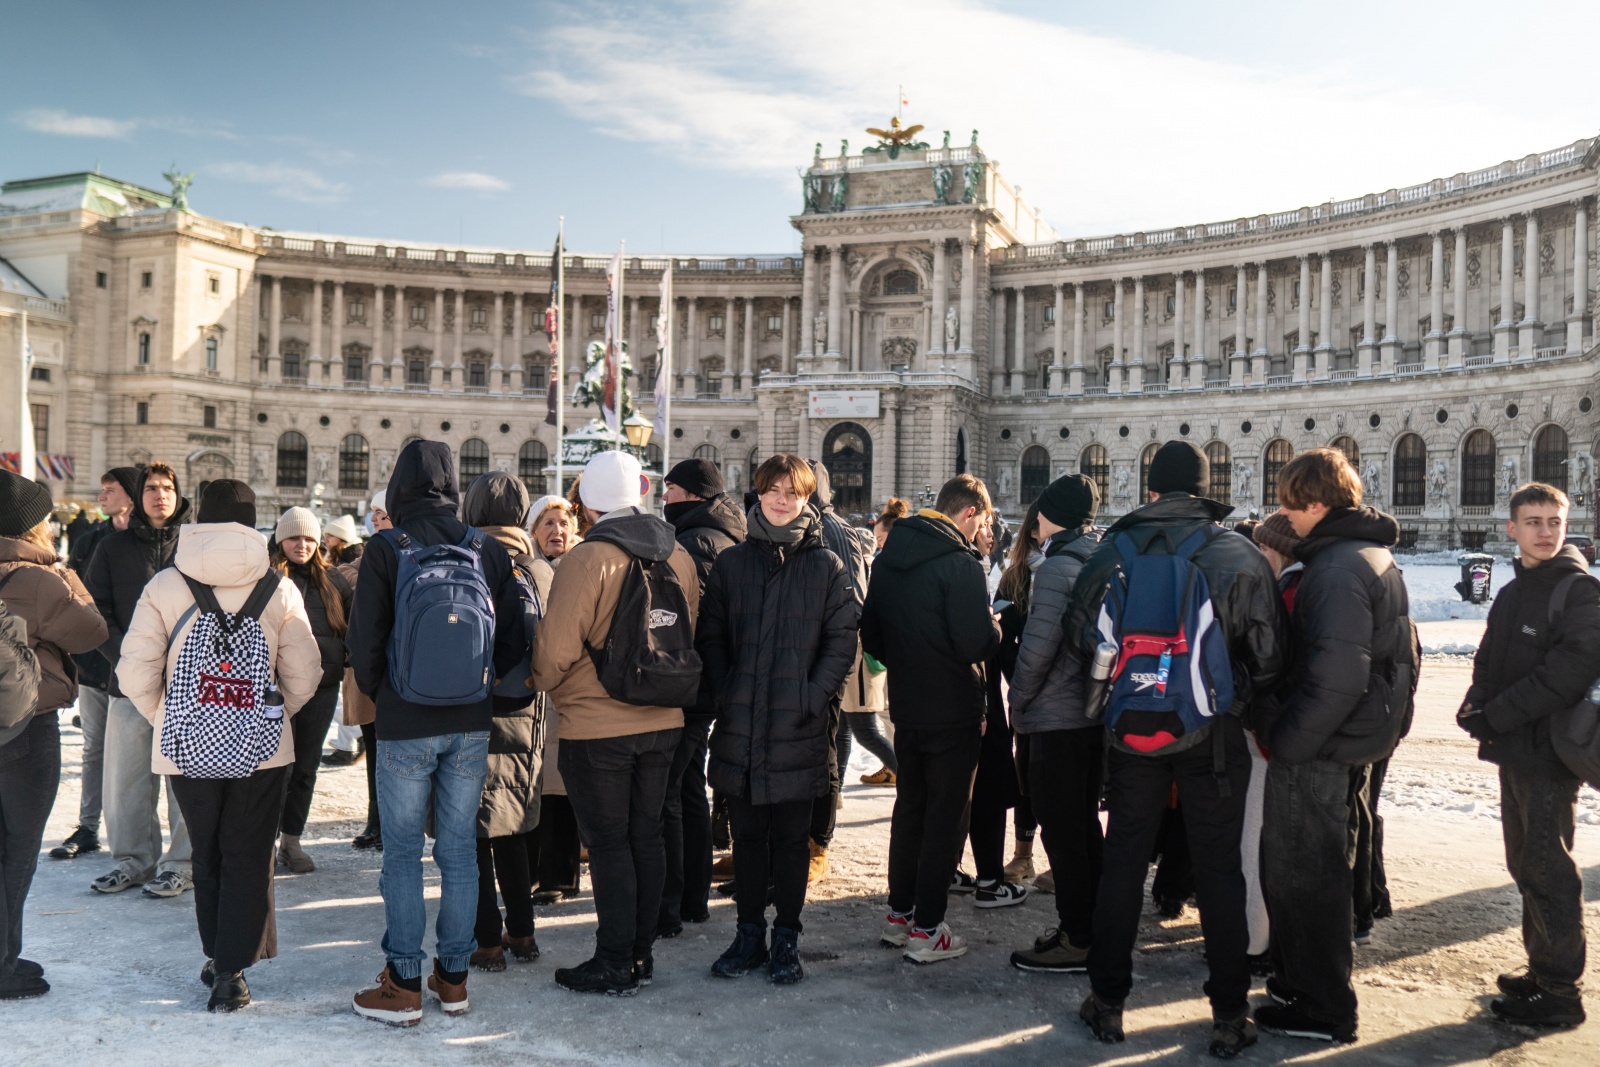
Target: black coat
<point>93,670</point>
<point>927,620</point>
<point>1355,650</point>
<point>329,642</point>
<point>122,564</point>
<point>853,545</point>
<point>706,528</point>
<point>777,634</point>
<point>996,781</point>
<point>1526,670</point>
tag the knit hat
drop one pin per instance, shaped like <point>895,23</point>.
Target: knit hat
<point>24,504</point>
<point>1179,467</point>
<point>228,500</point>
<point>1276,533</point>
<point>379,500</point>
<point>611,480</point>
<point>127,477</point>
<point>1070,501</point>
<point>697,476</point>
<point>345,529</point>
<point>297,522</point>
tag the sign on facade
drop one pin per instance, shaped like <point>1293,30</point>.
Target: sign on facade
<point>843,404</point>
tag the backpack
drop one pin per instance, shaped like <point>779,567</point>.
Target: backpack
<point>1575,731</point>
<point>441,649</point>
<point>518,682</point>
<point>1173,676</point>
<point>223,716</point>
<point>649,657</point>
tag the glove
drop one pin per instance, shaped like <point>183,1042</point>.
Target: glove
<point>1476,723</point>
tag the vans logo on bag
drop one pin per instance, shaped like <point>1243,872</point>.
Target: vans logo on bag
<point>660,617</point>
<point>237,693</point>
<point>1530,631</point>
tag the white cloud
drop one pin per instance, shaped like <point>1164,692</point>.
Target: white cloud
<point>472,180</point>
<point>66,124</point>
<point>289,182</point>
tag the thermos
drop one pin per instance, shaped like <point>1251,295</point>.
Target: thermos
<point>272,704</point>
<point>1104,662</point>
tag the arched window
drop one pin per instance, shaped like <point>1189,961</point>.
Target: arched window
<point>354,458</point>
<point>900,283</point>
<point>1035,473</point>
<point>1347,444</point>
<point>709,452</point>
<point>1221,463</point>
<point>1550,457</point>
<point>751,463</point>
<point>1093,464</point>
<point>1145,459</point>
<point>961,451</point>
<point>474,461</point>
<point>292,460</point>
<point>1410,471</point>
<point>1477,470</point>
<point>1278,453</point>
<point>532,458</point>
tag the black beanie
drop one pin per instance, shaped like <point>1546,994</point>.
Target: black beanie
<point>24,504</point>
<point>1070,501</point>
<point>127,477</point>
<point>1179,467</point>
<point>697,476</point>
<point>228,500</point>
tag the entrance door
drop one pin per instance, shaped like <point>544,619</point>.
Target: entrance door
<point>847,453</point>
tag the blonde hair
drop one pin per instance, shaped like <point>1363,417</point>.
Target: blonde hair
<point>40,535</point>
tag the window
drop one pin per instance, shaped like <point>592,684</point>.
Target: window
<point>40,414</point>
<point>1278,453</point>
<point>774,323</point>
<point>597,321</point>
<point>1233,298</point>
<point>1477,470</point>
<point>291,365</point>
<point>100,279</point>
<point>39,374</point>
<point>1348,446</point>
<point>355,310</point>
<point>1093,464</point>
<point>478,317</point>
<point>1410,468</point>
<point>1049,314</point>
<point>714,323</point>
<point>144,350</point>
<point>900,283</point>
<point>214,284</point>
<point>1221,462</point>
<point>211,353</point>
<point>292,460</point>
<point>146,280</point>
<point>416,372</point>
<point>1035,473</point>
<point>355,367</point>
<point>208,416</point>
<point>532,458</point>
<point>477,375</point>
<point>1550,457</point>
<point>474,460</point>
<point>1172,304</point>
<point>354,461</point>
<point>1109,312</point>
<point>709,452</point>
<point>141,413</point>
<point>1145,459</point>
<point>419,314</point>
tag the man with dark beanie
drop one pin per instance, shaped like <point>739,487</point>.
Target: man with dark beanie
<point>1211,777</point>
<point>705,520</point>
<point>1065,746</point>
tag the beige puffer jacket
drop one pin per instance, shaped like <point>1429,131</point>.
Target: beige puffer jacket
<point>230,558</point>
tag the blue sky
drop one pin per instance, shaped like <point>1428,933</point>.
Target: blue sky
<point>679,127</point>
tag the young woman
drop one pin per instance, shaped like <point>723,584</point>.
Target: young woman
<point>327,595</point>
<point>895,510</point>
<point>777,633</point>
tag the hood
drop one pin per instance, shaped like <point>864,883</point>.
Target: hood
<point>918,538</point>
<point>223,554</point>
<point>16,550</point>
<point>351,553</point>
<point>636,532</point>
<point>1173,508</point>
<point>1349,524</point>
<point>823,497</point>
<point>720,512</point>
<point>513,539</point>
<point>495,499</point>
<point>140,521</point>
<point>423,482</point>
<point>1568,561</point>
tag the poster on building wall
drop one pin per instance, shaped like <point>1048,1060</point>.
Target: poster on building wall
<point>843,404</point>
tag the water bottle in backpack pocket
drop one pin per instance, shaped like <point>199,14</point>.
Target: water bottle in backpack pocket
<point>441,649</point>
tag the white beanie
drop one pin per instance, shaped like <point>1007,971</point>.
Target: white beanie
<point>536,512</point>
<point>610,482</point>
<point>379,499</point>
<point>298,522</point>
<point>345,529</point>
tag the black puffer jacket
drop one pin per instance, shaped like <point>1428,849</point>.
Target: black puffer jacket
<point>1526,670</point>
<point>853,545</point>
<point>329,641</point>
<point>927,620</point>
<point>93,670</point>
<point>706,529</point>
<point>1047,686</point>
<point>1243,590</point>
<point>777,633</point>
<point>1348,697</point>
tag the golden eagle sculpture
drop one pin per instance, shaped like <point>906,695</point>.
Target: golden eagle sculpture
<point>895,138</point>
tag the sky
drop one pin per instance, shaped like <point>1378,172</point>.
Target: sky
<point>680,127</point>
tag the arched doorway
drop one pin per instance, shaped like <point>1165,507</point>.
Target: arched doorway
<point>847,453</point>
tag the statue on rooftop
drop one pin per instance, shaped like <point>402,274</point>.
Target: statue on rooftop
<point>946,139</point>
<point>974,138</point>
<point>813,193</point>
<point>180,187</point>
<point>838,192</point>
<point>844,147</point>
<point>972,181</point>
<point>942,178</point>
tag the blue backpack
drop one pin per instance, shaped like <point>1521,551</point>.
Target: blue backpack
<point>441,650</point>
<point>1173,677</point>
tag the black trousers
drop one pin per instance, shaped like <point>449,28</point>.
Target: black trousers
<point>233,823</point>
<point>686,830</point>
<point>30,772</point>
<point>1065,769</point>
<point>617,786</point>
<point>309,727</point>
<point>1308,846</point>
<point>1023,820</point>
<point>369,743</point>
<point>770,849</point>
<point>1371,898</point>
<point>1537,812</point>
<point>1174,878</point>
<point>1136,800</point>
<point>931,795</point>
<point>556,846</point>
<point>509,861</point>
<point>825,810</point>
<point>986,829</point>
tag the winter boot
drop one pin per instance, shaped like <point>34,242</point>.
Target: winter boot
<point>1103,1018</point>
<point>784,967</point>
<point>748,951</point>
<point>1539,1007</point>
<point>1020,869</point>
<point>292,856</point>
<point>229,992</point>
<point>819,864</point>
<point>451,995</point>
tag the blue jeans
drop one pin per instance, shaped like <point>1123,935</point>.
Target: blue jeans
<point>450,770</point>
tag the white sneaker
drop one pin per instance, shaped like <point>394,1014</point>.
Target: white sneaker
<point>896,931</point>
<point>168,884</point>
<point>941,944</point>
<point>114,881</point>
<point>999,894</point>
<point>962,883</point>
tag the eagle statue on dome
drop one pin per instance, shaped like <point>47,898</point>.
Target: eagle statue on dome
<point>895,138</point>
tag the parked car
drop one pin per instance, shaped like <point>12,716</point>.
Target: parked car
<point>1582,544</point>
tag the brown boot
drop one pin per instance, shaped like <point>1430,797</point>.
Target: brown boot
<point>388,1002</point>
<point>292,856</point>
<point>722,870</point>
<point>452,998</point>
<point>489,959</point>
<point>1020,869</point>
<point>523,949</point>
<point>819,864</point>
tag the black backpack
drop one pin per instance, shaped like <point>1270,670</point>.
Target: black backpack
<point>1575,731</point>
<point>649,657</point>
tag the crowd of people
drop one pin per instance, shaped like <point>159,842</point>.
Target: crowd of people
<point>533,681</point>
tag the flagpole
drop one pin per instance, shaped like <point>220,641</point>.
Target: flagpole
<point>27,463</point>
<point>621,335</point>
<point>561,345</point>
<point>666,369</point>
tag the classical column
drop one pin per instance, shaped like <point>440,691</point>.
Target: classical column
<point>1058,357</point>
<point>1302,347</point>
<point>1531,329</point>
<point>858,325</point>
<point>1433,340</point>
<point>275,331</point>
<point>747,374</point>
<point>1259,361</point>
<point>1118,315</point>
<point>497,330</point>
<point>1322,355</point>
<point>458,370</point>
<point>314,370</point>
<point>1508,307</point>
<point>687,361</point>
<point>375,364</point>
<point>1241,342</point>
<point>969,295</point>
<point>1369,312</point>
<point>835,299</point>
<point>1458,335</point>
<point>786,365</point>
<point>1175,366</point>
<point>1580,276</point>
<point>1136,364</point>
<point>1391,308</point>
<point>730,334</point>
<point>436,367</point>
<point>1075,381</point>
<point>997,345</point>
<point>336,346</point>
<point>808,307</point>
<point>1019,345</point>
<point>1197,354</point>
<point>516,367</point>
<point>940,298</point>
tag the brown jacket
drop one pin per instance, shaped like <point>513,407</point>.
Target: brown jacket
<point>57,609</point>
<point>583,598</point>
<point>358,708</point>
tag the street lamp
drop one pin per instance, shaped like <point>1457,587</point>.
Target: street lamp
<point>638,428</point>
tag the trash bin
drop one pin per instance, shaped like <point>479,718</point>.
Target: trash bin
<point>1476,570</point>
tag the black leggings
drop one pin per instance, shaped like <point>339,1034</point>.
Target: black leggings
<point>369,741</point>
<point>554,855</point>
<point>508,860</point>
<point>309,728</point>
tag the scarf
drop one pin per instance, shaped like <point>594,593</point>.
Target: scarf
<point>762,530</point>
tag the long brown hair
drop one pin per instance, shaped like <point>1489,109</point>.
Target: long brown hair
<point>1016,583</point>
<point>318,566</point>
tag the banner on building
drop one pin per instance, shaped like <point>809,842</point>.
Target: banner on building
<point>54,467</point>
<point>843,404</point>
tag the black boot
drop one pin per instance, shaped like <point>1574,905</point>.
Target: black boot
<point>784,967</point>
<point>229,992</point>
<point>1539,1007</point>
<point>748,951</point>
<point>208,974</point>
<point>81,843</point>
<point>1102,1017</point>
<point>371,837</point>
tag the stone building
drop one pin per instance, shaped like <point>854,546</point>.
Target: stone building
<point>1440,334</point>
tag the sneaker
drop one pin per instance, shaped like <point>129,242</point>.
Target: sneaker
<point>168,884</point>
<point>1280,991</point>
<point>1519,984</point>
<point>818,870</point>
<point>881,776</point>
<point>229,992</point>
<point>999,894</point>
<point>1103,1018</point>
<point>81,843</point>
<point>748,951</point>
<point>962,883</point>
<point>1229,1037</point>
<point>20,986</point>
<point>784,967</point>
<point>1288,1020</point>
<point>452,996</point>
<point>522,949</point>
<point>931,946</point>
<point>1362,938</point>
<point>644,971</point>
<point>1539,1008</point>
<point>593,976</point>
<point>114,881</point>
<point>371,837</point>
<point>490,959</point>
<point>1052,954</point>
<point>340,758</point>
<point>896,930</point>
<point>389,1002</point>
<point>1046,882</point>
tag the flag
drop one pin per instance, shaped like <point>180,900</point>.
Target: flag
<point>552,331</point>
<point>664,358</point>
<point>611,382</point>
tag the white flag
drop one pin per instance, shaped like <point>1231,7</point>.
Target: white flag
<point>611,382</point>
<point>664,363</point>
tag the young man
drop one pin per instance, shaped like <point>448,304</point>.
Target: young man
<point>1345,705</point>
<point>121,567</point>
<point>430,759</point>
<point>1245,600</point>
<point>1528,667</point>
<point>927,620</point>
<point>614,757</point>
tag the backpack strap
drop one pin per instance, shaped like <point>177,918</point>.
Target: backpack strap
<point>1558,595</point>
<point>205,598</point>
<point>10,574</point>
<point>261,596</point>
